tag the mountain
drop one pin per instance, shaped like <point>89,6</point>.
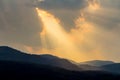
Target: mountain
<point>87,67</point>
<point>10,54</point>
<point>114,68</point>
<point>97,63</point>
<point>28,71</point>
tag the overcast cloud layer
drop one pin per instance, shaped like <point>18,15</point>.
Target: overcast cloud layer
<point>20,25</point>
<point>19,22</point>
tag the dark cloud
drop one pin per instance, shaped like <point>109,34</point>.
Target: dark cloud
<point>19,23</point>
<point>62,4</point>
<point>105,21</point>
<point>108,16</point>
<point>66,10</point>
<point>1,5</point>
<point>111,3</point>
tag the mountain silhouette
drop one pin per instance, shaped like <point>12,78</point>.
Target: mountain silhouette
<point>97,63</point>
<point>28,71</point>
<point>114,68</point>
<point>10,54</point>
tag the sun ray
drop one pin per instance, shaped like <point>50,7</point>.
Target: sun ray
<point>58,37</point>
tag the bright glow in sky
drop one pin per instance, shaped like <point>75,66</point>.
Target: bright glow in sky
<point>80,30</point>
<point>59,37</point>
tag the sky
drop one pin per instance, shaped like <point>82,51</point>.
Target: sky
<point>79,30</point>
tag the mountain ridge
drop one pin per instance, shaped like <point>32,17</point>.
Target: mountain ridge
<point>28,71</point>
<point>97,62</point>
<point>114,68</point>
<point>10,54</point>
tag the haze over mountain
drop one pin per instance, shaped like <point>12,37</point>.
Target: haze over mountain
<point>97,63</point>
<point>114,68</point>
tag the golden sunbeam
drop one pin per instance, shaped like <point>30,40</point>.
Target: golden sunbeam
<point>68,44</point>
<point>59,39</point>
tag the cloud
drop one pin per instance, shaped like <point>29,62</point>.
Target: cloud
<point>19,23</point>
<point>66,10</point>
<point>107,16</point>
<point>104,36</point>
<point>99,36</point>
<point>62,4</point>
<point>111,3</point>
